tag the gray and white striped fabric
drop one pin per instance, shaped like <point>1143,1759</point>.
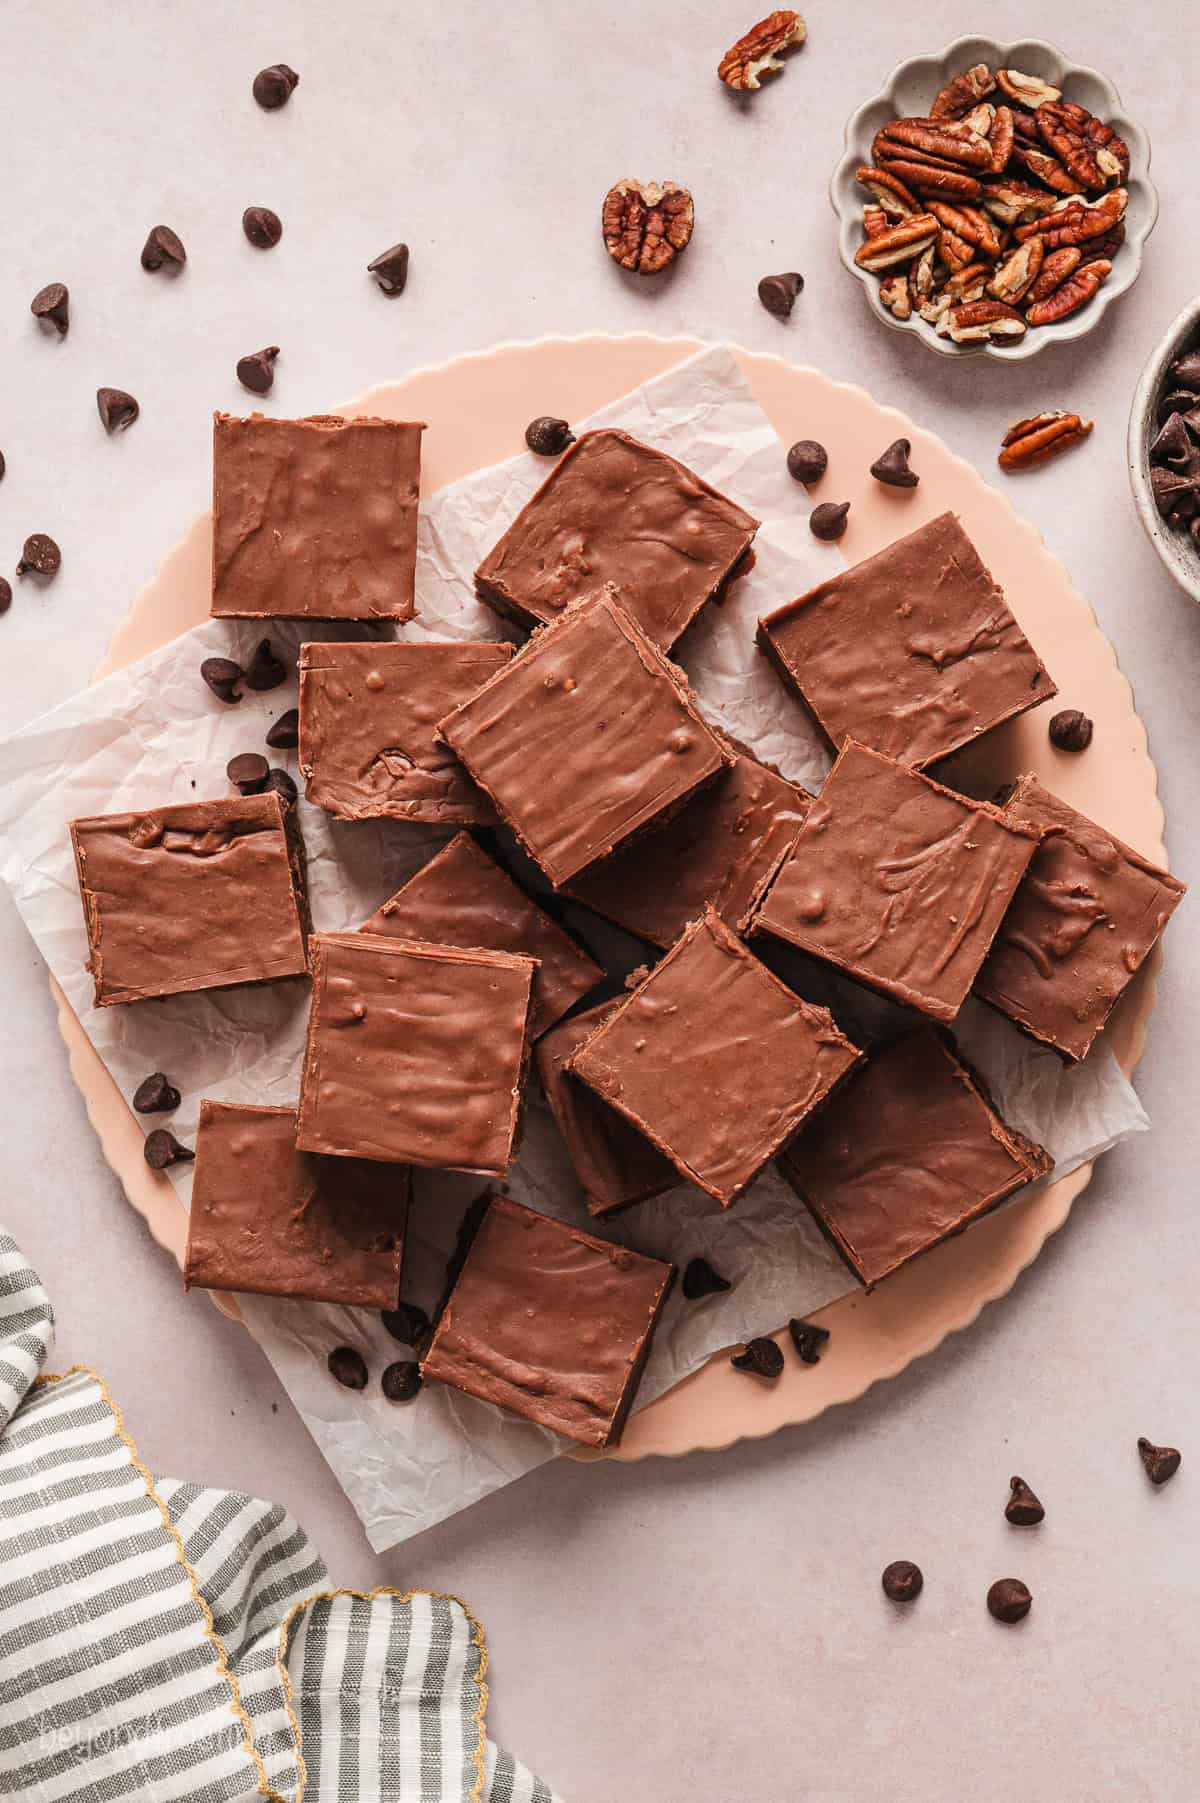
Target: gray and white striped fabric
<point>160,1640</point>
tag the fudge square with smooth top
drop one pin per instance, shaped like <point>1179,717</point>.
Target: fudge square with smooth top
<point>415,1053</point>
<point>585,739</point>
<point>615,1164</point>
<point>550,1323</point>
<point>715,1060</point>
<point>614,510</point>
<point>1084,920</point>
<point>368,726</point>
<point>198,895</point>
<point>913,652</point>
<point>909,1151</point>
<point>315,519</point>
<point>274,1221</point>
<point>898,881</point>
<point>463,897</point>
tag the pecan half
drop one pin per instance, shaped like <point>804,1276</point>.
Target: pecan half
<point>1001,136</point>
<point>875,222</point>
<point>1014,202</point>
<point>1057,265</point>
<point>1069,296</point>
<point>954,251</point>
<point>1112,153</point>
<point>1025,126</point>
<point>758,52</point>
<point>963,92</point>
<point>974,321</point>
<point>888,191</point>
<point>928,179</point>
<point>1046,168</point>
<point>1063,129</point>
<point>1038,439</point>
<point>1015,276</point>
<point>646,224</point>
<point>921,277</point>
<point>980,119</point>
<point>895,296</point>
<point>1026,90</point>
<point>1108,243</point>
<point>944,140</point>
<point>899,244</point>
<point>1078,221</point>
<point>969,224</point>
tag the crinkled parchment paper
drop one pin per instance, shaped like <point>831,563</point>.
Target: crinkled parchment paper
<point>154,734</point>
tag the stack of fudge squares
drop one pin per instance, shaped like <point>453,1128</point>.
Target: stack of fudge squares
<point>584,750</point>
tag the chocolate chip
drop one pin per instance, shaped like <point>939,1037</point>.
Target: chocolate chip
<point>807,461</point>
<point>257,371</point>
<point>1023,1508</point>
<point>1173,443</point>
<point>163,249</point>
<point>902,1581</point>
<point>5,594</point>
<point>808,1339</point>
<point>1161,1462</point>
<point>222,676</point>
<point>51,307</point>
<point>2,466</point>
<point>778,293</point>
<point>161,1148</point>
<point>1186,370</point>
<point>1180,400</point>
<point>348,1367</point>
<point>891,466</point>
<point>248,772</point>
<point>280,783</point>
<point>40,556</point>
<point>285,734</point>
<point>262,227</point>
<point>402,1380</point>
<point>406,1323</point>
<point>155,1094</point>
<point>391,269</point>
<point>699,1279</point>
<point>547,436</point>
<point>828,521</point>
<point>1009,1600</point>
<point>117,409</point>
<point>1070,730</point>
<point>264,670</point>
<point>762,1357</point>
<point>272,88</point>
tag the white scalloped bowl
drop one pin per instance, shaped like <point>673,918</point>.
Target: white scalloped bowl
<point>909,92</point>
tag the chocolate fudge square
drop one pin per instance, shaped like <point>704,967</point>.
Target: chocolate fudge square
<point>615,1164</point>
<point>898,881</point>
<point>715,1060</point>
<point>201,895</point>
<point>368,721</point>
<point>588,737</point>
<point>1082,923</point>
<point>616,511</point>
<point>462,897</point>
<point>913,652</point>
<point>273,1221</point>
<point>908,1152</point>
<point>719,848</point>
<point>415,1053</point>
<point>550,1323</point>
<point>315,519</point>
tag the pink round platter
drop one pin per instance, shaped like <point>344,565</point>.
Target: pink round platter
<point>477,407</point>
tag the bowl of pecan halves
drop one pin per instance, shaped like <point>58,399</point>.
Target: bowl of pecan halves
<point>994,198</point>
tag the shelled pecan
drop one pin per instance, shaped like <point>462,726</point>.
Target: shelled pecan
<point>1038,439</point>
<point>1069,296</point>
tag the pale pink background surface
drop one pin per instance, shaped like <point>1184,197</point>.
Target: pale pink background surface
<point>710,1627</point>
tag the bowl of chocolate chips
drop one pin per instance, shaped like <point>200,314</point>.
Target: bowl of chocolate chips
<point>1164,448</point>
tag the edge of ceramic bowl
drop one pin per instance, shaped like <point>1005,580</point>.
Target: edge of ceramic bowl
<point>1175,551</point>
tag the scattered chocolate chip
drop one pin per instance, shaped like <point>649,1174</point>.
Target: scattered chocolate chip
<point>40,556</point>
<point>402,1380</point>
<point>828,521</point>
<point>406,1322</point>
<point>222,676</point>
<point>547,436</point>
<point>155,1094</point>
<point>348,1367</point>
<point>891,466</point>
<point>902,1581</point>
<point>808,1339</point>
<point>163,249</point>
<point>1023,1508</point>
<point>1009,1600</point>
<point>807,461</point>
<point>264,670</point>
<point>280,783</point>
<point>1070,730</point>
<point>248,772</point>
<point>272,88</point>
<point>284,735</point>
<point>51,307</point>
<point>699,1279</point>
<point>778,293</point>
<point>762,1357</point>
<point>257,371</point>
<point>117,409</point>
<point>391,269</point>
<point>1161,1462</point>
<point>262,227</point>
<point>5,594</point>
<point>161,1148</point>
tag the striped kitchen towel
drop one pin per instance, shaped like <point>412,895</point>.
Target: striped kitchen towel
<point>163,1641</point>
